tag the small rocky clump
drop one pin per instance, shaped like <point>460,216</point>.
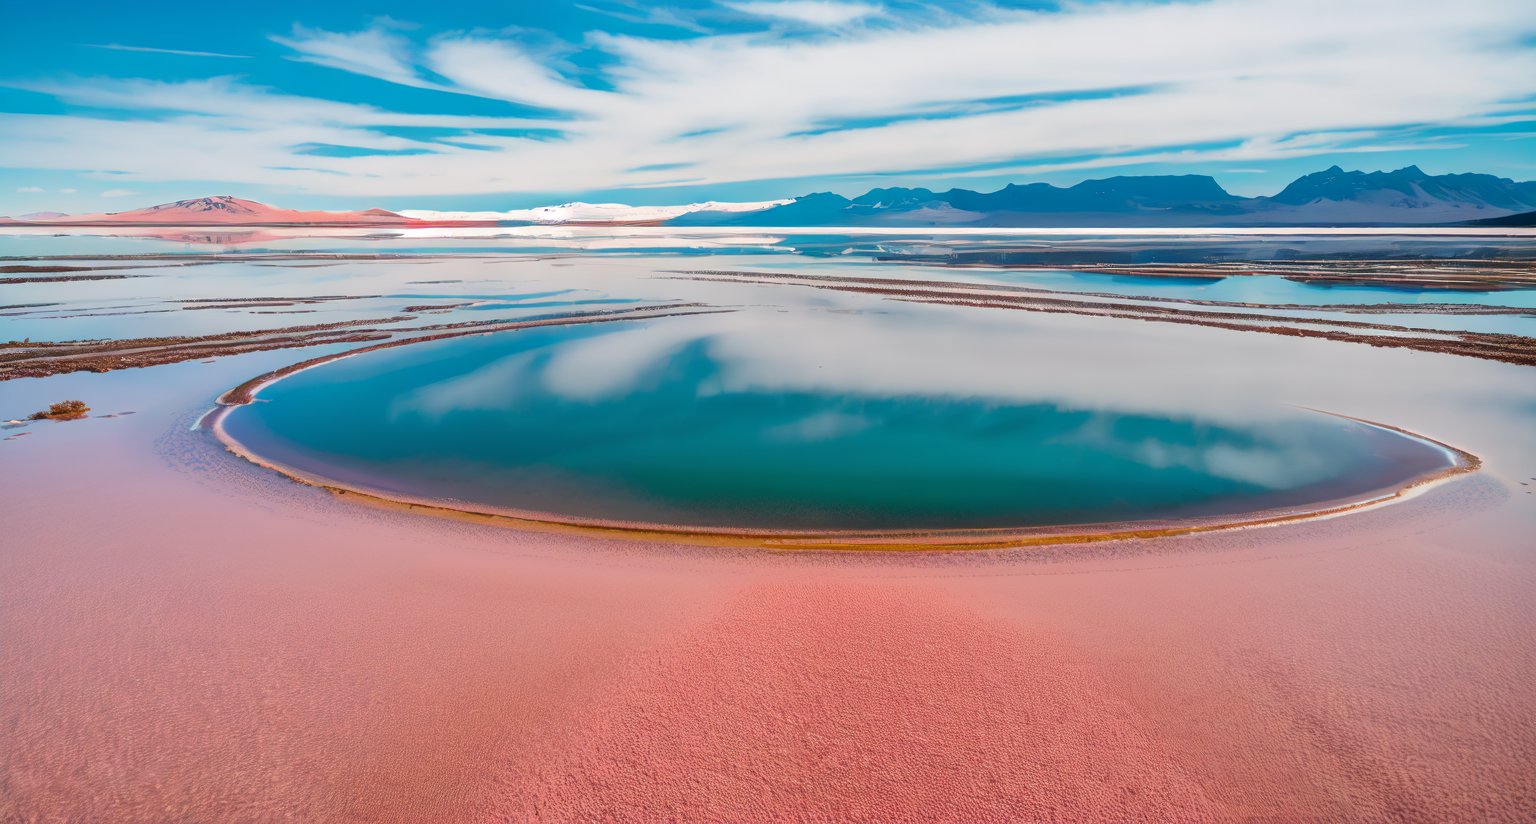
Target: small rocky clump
<point>62,411</point>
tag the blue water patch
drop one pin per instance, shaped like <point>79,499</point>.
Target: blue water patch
<point>665,422</point>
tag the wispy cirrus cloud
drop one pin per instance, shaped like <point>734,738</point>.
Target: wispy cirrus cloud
<point>230,97</point>
<point>376,52</point>
<point>153,50</point>
<point>503,70</point>
<point>1312,145</point>
<point>809,12</point>
<point>1088,86</point>
<point>647,14</point>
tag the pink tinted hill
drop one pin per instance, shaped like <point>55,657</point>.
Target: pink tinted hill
<point>226,210</point>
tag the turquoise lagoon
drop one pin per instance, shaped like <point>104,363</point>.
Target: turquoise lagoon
<point>768,421</point>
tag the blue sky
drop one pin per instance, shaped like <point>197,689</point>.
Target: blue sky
<point>496,105</point>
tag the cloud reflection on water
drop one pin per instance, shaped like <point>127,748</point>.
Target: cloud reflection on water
<point>979,357</point>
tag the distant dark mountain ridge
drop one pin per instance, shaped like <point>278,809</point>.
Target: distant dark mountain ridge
<point>1516,220</point>
<point>1408,186</point>
<point>1332,197</point>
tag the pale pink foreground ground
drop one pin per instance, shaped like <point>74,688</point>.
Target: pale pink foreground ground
<point>186,638</point>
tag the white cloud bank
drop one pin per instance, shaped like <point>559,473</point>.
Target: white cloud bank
<point>607,213</point>
<point>1092,85</point>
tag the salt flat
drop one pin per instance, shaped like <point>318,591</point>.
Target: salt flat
<point>189,636</point>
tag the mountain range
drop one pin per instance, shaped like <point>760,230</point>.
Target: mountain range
<point>219,210</point>
<point>1332,197</point>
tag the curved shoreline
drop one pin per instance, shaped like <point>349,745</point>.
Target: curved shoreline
<point>1461,463</point>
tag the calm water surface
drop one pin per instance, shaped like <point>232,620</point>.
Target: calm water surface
<point>801,409</point>
<point>790,421</point>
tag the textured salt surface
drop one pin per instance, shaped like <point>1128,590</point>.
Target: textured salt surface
<point>188,638</point>
<point>848,701</point>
